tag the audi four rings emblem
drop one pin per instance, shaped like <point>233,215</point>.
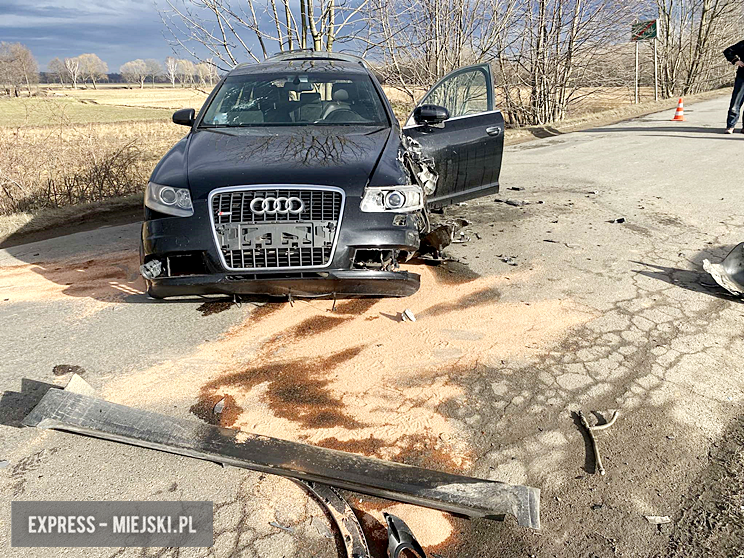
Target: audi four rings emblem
<point>280,205</point>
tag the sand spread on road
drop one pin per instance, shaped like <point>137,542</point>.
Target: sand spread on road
<point>358,379</point>
<point>101,279</point>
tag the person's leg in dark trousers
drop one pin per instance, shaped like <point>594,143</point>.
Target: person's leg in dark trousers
<point>737,98</point>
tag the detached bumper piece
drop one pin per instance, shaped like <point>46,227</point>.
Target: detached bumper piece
<point>342,283</point>
<point>73,412</point>
<point>729,273</point>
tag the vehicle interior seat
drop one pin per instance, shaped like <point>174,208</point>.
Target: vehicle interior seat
<point>340,96</point>
<point>310,107</point>
<point>274,107</point>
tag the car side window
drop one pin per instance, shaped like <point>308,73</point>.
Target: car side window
<point>463,94</point>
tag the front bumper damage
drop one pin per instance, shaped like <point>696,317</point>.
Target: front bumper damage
<point>190,263</point>
<point>339,283</point>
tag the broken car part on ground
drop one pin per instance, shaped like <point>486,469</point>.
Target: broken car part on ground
<point>73,412</point>
<point>296,179</point>
<point>590,430</point>
<point>729,273</point>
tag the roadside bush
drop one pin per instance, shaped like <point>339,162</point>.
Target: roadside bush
<point>67,164</point>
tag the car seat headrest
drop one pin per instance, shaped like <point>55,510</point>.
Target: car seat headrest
<point>340,95</point>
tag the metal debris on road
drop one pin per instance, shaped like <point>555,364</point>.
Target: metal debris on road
<point>590,431</point>
<point>729,273</point>
<point>408,316</point>
<point>78,385</point>
<point>473,497</point>
<point>400,538</point>
<point>514,203</point>
<point>282,527</point>
<point>515,188</point>
<point>658,519</point>
<point>341,515</point>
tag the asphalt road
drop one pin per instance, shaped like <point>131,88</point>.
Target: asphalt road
<point>584,314</point>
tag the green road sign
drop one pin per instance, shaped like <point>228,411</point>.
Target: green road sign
<point>643,31</point>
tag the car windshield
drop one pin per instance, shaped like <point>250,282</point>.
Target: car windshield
<point>296,99</point>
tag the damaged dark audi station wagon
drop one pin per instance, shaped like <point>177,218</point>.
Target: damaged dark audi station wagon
<point>297,180</point>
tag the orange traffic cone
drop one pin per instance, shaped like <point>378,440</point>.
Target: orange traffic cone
<point>680,114</point>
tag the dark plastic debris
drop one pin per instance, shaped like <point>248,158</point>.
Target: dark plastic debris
<point>400,538</point>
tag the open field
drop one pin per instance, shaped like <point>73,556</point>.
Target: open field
<point>153,97</point>
<point>45,111</point>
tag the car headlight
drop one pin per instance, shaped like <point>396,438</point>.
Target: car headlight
<point>169,200</point>
<point>396,199</point>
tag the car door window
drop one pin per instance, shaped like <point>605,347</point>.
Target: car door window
<point>463,94</point>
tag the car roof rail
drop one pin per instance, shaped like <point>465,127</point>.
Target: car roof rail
<point>310,54</point>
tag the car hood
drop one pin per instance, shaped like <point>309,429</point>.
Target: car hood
<point>244,156</point>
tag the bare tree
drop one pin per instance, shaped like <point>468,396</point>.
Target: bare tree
<point>92,68</point>
<point>203,72</point>
<point>17,67</point>
<point>556,52</point>
<point>213,75</point>
<point>72,65</point>
<point>692,35</point>
<point>185,72</point>
<point>227,31</point>
<point>154,69</point>
<point>419,41</point>
<point>171,69</point>
<point>135,71</point>
<point>57,68</point>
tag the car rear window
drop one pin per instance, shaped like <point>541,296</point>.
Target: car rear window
<point>296,99</point>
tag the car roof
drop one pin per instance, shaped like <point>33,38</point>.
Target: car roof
<point>305,61</point>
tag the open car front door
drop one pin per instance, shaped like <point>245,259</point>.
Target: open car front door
<point>466,147</point>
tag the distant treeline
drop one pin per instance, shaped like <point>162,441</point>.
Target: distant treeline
<point>50,77</point>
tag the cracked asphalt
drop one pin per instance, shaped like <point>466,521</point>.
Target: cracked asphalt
<point>596,315</point>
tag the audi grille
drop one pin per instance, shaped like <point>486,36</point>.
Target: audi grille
<point>277,227</point>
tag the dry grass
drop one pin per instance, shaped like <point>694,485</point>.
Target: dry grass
<point>52,218</point>
<point>587,120</point>
<point>67,163</point>
<point>41,111</point>
<point>586,101</point>
<point>152,97</point>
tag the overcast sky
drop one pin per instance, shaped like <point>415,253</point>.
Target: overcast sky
<point>115,30</point>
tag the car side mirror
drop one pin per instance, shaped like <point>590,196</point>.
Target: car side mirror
<point>184,117</point>
<point>430,114</point>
